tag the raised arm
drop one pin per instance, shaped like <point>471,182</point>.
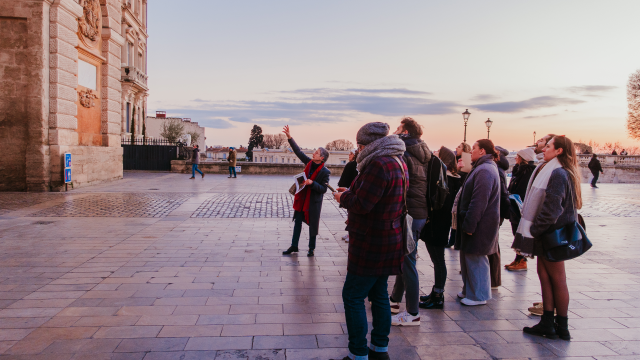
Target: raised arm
<point>296,149</point>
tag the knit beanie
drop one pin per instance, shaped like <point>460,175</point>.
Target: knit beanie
<point>371,132</point>
<point>527,154</point>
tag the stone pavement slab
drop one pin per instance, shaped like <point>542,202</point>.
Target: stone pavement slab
<point>157,266</point>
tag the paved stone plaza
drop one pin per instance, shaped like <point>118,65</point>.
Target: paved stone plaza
<point>157,266</point>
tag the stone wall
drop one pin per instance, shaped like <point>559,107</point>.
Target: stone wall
<point>614,174</point>
<point>40,48</point>
<point>249,168</point>
<point>17,63</point>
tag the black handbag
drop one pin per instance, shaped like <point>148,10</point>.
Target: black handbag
<point>566,243</point>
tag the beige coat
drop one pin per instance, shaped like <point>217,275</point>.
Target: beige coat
<point>232,158</point>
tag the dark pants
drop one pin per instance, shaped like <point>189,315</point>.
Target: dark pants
<point>436,253</point>
<point>495,268</point>
<point>596,175</point>
<point>355,290</point>
<point>232,171</point>
<point>194,168</point>
<point>298,218</point>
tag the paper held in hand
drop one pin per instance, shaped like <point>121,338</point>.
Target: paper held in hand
<point>299,181</point>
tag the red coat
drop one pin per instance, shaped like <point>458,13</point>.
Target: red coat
<point>375,204</point>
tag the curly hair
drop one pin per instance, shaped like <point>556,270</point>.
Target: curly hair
<point>411,126</point>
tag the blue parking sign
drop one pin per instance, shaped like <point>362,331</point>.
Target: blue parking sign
<point>67,160</point>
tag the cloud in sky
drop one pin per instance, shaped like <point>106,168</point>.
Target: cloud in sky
<point>590,90</point>
<point>325,105</point>
<point>539,116</point>
<point>216,124</point>
<point>484,97</point>
<point>531,104</point>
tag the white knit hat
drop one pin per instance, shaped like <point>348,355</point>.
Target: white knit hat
<point>527,154</point>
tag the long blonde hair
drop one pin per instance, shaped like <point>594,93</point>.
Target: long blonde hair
<point>569,162</point>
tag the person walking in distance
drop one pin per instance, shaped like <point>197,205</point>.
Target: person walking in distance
<point>232,162</point>
<point>436,231</point>
<point>596,169</point>
<point>195,161</point>
<point>416,157</point>
<point>520,176</point>
<point>478,221</point>
<point>307,203</point>
<point>553,197</point>
<point>375,206</point>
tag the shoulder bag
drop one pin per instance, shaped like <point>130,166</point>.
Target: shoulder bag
<point>568,242</point>
<point>408,243</point>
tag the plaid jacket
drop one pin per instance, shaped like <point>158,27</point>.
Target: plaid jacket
<point>375,204</point>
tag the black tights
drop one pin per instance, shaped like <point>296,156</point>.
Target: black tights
<point>436,253</point>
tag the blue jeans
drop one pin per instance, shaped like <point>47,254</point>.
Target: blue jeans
<point>355,290</point>
<point>232,171</point>
<point>298,217</point>
<point>194,168</point>
<point>409,278</point>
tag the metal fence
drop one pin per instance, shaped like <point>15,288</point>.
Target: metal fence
<point>149,154</point>
<point>140,141</point>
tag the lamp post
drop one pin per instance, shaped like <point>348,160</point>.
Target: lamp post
<point>488,123</point>
<point>465,116</point>
<point>534,137</point>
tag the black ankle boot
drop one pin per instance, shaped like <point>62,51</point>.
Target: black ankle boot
<point>424,298</point>
<point>290,250</point>
<point>378,355</point>
<point>545,327</point>
<point>435,301</point>
<point>562,327</point>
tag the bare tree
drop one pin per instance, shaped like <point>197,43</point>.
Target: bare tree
<point>274,141</point>
<point>172,130</point>
<point>633,100</point>
<point>340,145</point>
<point>194,137</point>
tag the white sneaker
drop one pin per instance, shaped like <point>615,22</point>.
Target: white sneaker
<point>470,302</point>
<point>461,295</point>
<point>405,319</point>
<point>395,307</point>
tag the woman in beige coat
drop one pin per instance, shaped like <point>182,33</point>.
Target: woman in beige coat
<point>232,162</point>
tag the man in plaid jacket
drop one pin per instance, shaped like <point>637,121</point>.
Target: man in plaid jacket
<point>375,203</point>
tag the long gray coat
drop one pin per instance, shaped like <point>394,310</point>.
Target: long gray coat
<point>479,209</point>
<point>318,189</point>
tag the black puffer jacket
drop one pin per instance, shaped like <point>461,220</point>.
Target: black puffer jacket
<point>416,157</point>
<point>520,179</point>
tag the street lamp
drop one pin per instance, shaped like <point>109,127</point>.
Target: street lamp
<point>534,137</point>
<point>488,123</point>
<point>465,116</point>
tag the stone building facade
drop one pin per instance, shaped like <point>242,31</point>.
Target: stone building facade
<point>61,90</point>
<point>154,128</point>
<point>134,66</point>
<point>286,156</point>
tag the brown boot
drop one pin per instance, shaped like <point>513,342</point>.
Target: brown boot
<point>521,265</point>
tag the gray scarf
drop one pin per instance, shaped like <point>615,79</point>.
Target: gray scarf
<point>390,145</point>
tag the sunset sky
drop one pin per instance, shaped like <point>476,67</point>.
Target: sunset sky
<point>328,67</point>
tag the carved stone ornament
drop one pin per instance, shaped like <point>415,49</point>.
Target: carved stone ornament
<point>89,24</point>
<point>86,98</point>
